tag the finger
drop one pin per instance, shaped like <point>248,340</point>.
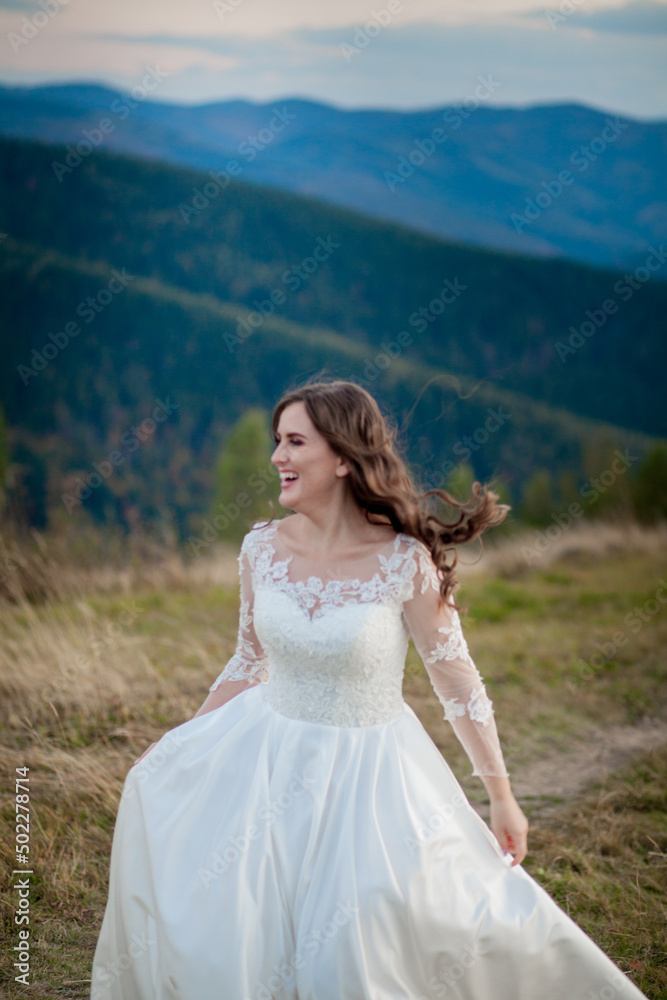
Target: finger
<point>519,853</point>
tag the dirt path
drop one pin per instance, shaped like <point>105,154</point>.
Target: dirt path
<point>543,784</point>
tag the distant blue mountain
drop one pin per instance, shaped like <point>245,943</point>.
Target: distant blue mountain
<point>549,180</point>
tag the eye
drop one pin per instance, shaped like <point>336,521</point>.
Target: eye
<point>295,441</point>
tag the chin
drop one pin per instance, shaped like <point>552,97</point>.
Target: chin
<point>287,503</point>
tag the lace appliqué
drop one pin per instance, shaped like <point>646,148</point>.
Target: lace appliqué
<point>343,669</point>
<point>455,647</point>
<point>341,660</point>
<point>245,664</point>
<point>313,595</point>
<point>479,707</point>
<point>240,669</point>
<point>332,651</point>
<point>428,569</point>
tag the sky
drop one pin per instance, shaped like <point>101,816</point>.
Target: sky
<point>403,54</point>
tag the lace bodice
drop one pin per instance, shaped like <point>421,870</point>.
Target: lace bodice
<point>330,640</point>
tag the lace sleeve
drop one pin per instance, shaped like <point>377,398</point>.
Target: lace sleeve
<point>440,642</point>
<point>249,662</point>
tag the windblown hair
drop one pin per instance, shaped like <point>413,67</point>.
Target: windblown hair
<point>350,420</point>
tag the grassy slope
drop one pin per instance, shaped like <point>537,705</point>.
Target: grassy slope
<point>151,651</point>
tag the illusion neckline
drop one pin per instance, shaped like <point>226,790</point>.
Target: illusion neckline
<point>391,545</point>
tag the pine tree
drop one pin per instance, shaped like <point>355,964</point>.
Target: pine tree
<point>459,481</point>
<point>649,488</point>
<point>245,479</point>
<point>538,502</point>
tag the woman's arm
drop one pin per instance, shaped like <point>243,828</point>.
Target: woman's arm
<point>436,630</point>
<point>249,665</point>
<point>508,822</point>
<point>224,692</point>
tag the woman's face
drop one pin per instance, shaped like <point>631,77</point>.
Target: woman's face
<point>309,469</point>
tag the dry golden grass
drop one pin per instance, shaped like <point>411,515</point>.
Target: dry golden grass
<point>604,860</point>
<point>103,649</point>
<point>519,553</point>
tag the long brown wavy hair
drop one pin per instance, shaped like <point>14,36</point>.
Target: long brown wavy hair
<point>350,420</point>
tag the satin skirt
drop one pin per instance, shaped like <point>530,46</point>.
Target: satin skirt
<point>260,857</point>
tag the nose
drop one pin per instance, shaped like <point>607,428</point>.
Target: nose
<point>275,457</point>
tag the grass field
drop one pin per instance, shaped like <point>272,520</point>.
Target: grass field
<point>100,657</point>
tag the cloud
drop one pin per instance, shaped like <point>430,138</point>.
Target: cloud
<point>324,36</point>
<point>219,46</point>
<point>414,65</point>
<point>409,65</point>
<point>639,17</point>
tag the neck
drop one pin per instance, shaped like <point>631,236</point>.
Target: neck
<point>331,526</point>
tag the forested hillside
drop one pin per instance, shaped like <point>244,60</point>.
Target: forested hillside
<point>548,180</point>
<point>132,289</point>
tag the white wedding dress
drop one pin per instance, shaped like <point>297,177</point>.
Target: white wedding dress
<point>307,841</point>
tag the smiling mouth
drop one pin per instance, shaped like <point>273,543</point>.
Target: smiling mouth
<point>286,479</point>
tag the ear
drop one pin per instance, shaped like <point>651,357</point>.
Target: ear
<point>342,469</point>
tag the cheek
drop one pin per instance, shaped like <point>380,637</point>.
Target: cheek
<point>326,475</point>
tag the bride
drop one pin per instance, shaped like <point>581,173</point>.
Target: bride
<point>301,837</point>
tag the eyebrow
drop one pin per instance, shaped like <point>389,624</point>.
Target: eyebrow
<point>292,434</point>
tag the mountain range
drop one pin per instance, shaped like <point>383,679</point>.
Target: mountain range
<point>134,296</point>
<point>547,181</point>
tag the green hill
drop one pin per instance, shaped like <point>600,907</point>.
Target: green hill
<point>117,300</point>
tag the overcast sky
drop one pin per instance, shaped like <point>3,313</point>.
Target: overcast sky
<point>350,53</point>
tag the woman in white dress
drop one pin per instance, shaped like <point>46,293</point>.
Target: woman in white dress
<point>301,837</point>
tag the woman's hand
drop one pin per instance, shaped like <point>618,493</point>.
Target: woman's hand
<point>510,827</point>
<point>145,752</point>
